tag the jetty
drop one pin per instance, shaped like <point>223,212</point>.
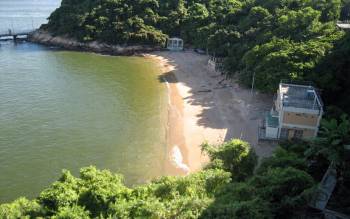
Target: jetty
<point>11,34</point>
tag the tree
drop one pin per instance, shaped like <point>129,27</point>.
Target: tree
<point>20,208</point>
<point>62,193</point>
<point>334,138</point>
<point>287,189</point>
<point>235,156</point>
<point>73,212</point>
<point>281,58</point>
<point>282,158</point>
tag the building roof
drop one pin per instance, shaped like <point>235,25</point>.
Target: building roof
<point>175,38</point>
<point>344,26</point>
<point>300,96</point>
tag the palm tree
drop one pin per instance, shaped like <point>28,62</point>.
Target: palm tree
<point>333,141</point>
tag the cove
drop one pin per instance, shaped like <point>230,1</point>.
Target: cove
<point>66,110</point>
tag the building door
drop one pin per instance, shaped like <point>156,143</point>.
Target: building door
<point>284,133</point>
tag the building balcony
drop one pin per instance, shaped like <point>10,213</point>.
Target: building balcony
<point>271,119</point>
<point>274,113</point>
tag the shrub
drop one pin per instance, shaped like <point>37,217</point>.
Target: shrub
<point>235,156</point>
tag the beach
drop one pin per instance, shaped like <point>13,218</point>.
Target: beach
<point>204,106</point>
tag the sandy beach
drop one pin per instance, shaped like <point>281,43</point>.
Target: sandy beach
<point>205,107</point>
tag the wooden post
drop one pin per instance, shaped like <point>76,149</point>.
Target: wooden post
<point>15,38</point>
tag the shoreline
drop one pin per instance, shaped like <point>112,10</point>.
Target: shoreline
<point>177,159</point>
<point>184,139</point>
<point>203,105</point>
<point>45,38</point>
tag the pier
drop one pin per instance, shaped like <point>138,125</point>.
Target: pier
<point>11,34</point>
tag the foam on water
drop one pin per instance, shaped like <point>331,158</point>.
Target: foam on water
<point>176,159</point>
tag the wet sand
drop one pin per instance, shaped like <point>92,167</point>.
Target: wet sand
<point>205,107</point>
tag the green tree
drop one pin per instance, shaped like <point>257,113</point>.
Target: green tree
<point>287,189</point>
<point>20,208</point>
<point>235,156</point>
<point>333,140</point>
<point>73,212</point>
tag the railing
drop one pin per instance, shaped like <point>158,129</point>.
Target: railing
<point>325,189</point>
<point>12,32</point>
<point>297,82</point>
<point>216,64</point>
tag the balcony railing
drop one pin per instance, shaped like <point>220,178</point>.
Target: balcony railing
<point>271,120</point>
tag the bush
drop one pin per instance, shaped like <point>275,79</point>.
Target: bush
<point>73,212</point>
<point>20,208</point>
<point>287,189</point>
<point>235,156</point>
<point>283,159</point>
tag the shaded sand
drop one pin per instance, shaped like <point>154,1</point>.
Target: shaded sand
<point>204,107</point>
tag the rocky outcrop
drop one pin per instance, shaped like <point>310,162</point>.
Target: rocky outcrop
<point>44,37</point>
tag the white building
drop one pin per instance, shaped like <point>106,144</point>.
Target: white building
<point>175,44</point>
<point>215,64</point>
<point>296,113</point>
<point>344,25</point>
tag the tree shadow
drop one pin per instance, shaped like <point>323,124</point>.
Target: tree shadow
<point>217,103</point>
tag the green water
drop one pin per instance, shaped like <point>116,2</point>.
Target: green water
<point>61,109</point>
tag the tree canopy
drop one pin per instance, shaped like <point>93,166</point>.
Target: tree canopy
<point>229,190</point>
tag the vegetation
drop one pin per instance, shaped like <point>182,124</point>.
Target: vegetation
<point>235,157</point>
<point>227,188</point>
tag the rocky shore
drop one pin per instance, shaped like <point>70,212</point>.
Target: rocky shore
<point>44,37</point>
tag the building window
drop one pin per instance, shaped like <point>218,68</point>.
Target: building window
<point>298,134</point>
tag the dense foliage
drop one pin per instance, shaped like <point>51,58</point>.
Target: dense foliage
<point>333,75</point>
<point>331,147</point>
<point>276,191</point>
<point>235,157</point>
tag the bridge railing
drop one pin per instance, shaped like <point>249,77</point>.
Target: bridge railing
<point>17,26</point>
<point>12,32</point>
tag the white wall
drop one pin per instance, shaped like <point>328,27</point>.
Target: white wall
<point>271,132</point>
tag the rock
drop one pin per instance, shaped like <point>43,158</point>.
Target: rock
<point>46,38</point>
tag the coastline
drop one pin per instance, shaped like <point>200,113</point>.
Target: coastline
<point>177,151</point>
<point>203,105</point>
<point>46,38</point>
<point>185,135</point>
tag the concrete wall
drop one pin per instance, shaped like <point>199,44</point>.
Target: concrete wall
<point>300,119</point>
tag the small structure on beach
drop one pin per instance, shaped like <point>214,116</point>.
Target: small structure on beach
<point>216,64</point>
<point>296,113</point>
<point>175,44</point>
<point>344,25</point>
